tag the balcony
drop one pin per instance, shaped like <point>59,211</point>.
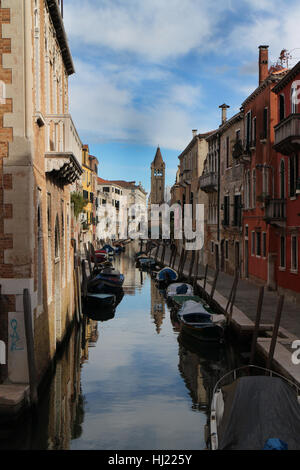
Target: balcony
<point>241,151</point>
<point>287,135</point>
<point>63,149</point>
<point>208,182</point>
<point>275,212</point>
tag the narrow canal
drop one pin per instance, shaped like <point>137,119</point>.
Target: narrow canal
<point>130,381</point>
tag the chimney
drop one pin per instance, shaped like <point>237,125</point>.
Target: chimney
<point>224,108</point>
<point>263,63</point>
<point>194,131</point>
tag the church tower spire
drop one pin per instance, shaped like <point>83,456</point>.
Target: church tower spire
<point>158,167</point>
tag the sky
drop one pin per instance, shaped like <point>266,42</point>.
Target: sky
<point>150,71</point>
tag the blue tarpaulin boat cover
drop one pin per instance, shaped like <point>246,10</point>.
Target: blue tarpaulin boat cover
<point>256,409</point>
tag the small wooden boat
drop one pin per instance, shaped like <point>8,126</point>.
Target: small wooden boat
<point>179,300</point>
<point>201,324</point>
<point>179,288</point>
<point>254,408</point>
<point>167,275</point>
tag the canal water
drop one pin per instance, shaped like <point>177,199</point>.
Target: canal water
<point>127,381</point>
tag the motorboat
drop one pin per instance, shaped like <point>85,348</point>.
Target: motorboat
<point>200,323</point>
<point>96,300</point>
<point>254,408</point>
<point>109,277</point>
<point>179,288</point>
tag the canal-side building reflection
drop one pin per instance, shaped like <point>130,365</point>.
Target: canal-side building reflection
<point>90,337</point>
<point>157,306</point>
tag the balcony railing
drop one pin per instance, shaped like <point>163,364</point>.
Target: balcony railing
<point>275,210</point>
<point>63,148</point>
<point>208,182</point>
<point>287,135</point>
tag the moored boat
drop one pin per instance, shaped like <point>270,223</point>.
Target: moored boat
<point>200,323</point>
<point>254,408</point>
<point>179,288</point>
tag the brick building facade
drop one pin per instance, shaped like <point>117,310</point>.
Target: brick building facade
<point>40,162</point>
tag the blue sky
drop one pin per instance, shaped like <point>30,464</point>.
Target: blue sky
<point>150,71</point>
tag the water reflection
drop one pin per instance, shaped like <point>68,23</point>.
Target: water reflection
<point>127,380</point>
<point>157,306</point>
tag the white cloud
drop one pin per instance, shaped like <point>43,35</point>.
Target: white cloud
<point>156,30</point>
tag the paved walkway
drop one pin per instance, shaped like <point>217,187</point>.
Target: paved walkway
<point>246,298</point>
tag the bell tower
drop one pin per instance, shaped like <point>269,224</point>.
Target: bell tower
<point>158,167</point>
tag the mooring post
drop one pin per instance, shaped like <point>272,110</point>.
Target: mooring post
<point>231,292</point>
<point>87,255</point>
<point>214,284</point>
<point>235,284</point>
<point>257,323</point>
<point>196,270</point>
<point>163,254</point>
<point>275,331</point>
<point>156,253</point>
<point>174,257</point>
<point>191,265</point>
<point>30,347</point>
<point>205,277</point>
<point>182,263</point>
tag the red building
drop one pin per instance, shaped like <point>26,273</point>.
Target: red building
<point>264,214</point>
<point>287,142</point>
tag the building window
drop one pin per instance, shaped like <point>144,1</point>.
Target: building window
<point>293,98</point>
<point>294,253</point>
<point>265,124</point>
<point>293,175</point>
<point>252,243</point>
<point>258,244</point>
<point>282,179</point>
<point>56,240</point>
<point>237,217</point>
<point>85,194</point>
<point>212,247</point>
<point>226,249</point>
<point>281,107</point>
<point>253,188</point>
<point>226,210</point>
<point>264,245</point>
<point>227,152</point>
<point>254,132</point>
<point>106,190</point>
<point>282,252</point>
<point>248,129</point>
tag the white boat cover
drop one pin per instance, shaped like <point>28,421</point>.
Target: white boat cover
<point>176,286</point>
<point>256,409</point>
<point>190,307</point>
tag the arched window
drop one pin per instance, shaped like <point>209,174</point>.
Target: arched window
<point>293,99</point>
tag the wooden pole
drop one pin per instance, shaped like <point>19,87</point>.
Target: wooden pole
<point>87,255</point>
<point>275,331</point>
<point>257,323</point>
<point>231,292</point>
<point>213,288</point>
<point>191,265</point>
<point>233,295</point>
<point>30,347</point>
<point>174,257</point>
<point>163,254</point>
<point>79,291</point>
<point>76,296</point>
<point>205,277</point>
<point>84,278</point>
<point>196,273</point>
<point>156,253</point>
